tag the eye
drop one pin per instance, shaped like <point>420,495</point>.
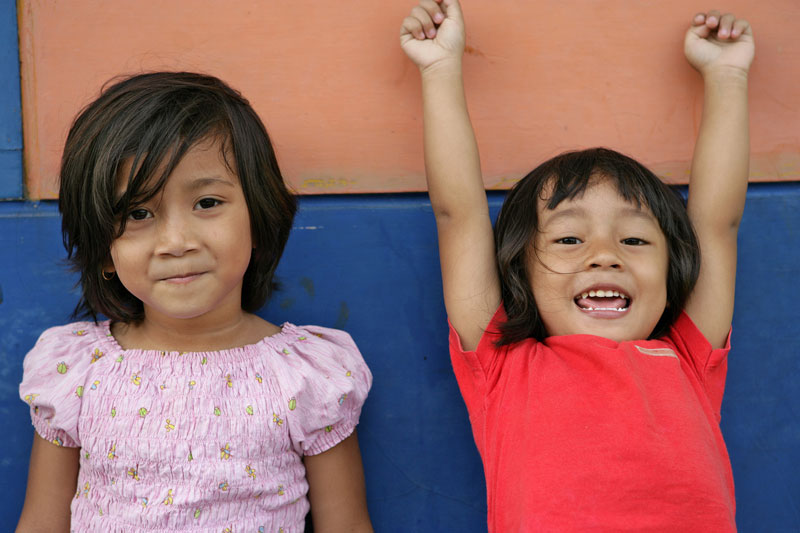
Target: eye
<point>634,241</point>
<point>207,203</point>
<point>139,214</point>
<point>568,240</point>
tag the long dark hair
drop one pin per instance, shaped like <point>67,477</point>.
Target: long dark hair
<point>154,119</point>
<point>565,177</point>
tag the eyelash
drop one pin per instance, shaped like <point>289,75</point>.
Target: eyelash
<point>215,201</point>
<point>639,242</point>
<point>133,212</point>
<point>630,241</point>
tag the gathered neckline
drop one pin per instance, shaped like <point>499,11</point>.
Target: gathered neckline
<point>286,335</point>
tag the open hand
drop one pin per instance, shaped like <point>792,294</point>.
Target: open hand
<point>715,41</point>
<point>433,33</point>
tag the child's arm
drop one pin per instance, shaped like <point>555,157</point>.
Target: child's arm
<point>52,478</point>
<point>336,489</point>
<point>721,48</point>
<point>466,243</point>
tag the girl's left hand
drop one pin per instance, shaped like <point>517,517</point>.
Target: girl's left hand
<point>719,41</point>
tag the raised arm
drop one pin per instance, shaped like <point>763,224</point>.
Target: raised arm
<point>433,37</point>
<point>721,48</point>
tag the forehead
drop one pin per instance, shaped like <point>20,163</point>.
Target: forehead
<point>601,196</point>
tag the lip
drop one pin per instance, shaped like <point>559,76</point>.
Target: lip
<point>182,279</point>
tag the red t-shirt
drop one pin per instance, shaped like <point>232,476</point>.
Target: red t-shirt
<point>581,433</point>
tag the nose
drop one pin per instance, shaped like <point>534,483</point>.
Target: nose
<point>174,236</point>
<point>604,254</point>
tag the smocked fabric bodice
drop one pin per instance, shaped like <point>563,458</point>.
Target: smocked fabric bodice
<point>208,442</point>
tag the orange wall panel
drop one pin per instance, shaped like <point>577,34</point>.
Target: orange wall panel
<point>342,102</point>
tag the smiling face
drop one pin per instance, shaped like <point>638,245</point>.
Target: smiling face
<point>598,266</point>
<point>185,251</point>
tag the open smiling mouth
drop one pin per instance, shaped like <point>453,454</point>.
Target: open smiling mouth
<point>603,300</point>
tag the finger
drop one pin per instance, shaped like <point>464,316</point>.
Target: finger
<point>425,19</point>
<point>712,19</point>
<point>433,9</point>
<point>740,27</point>
<point>699,27</point>
<point>413,27</point>
<point>725,26</point>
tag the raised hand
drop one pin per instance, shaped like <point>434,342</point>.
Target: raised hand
<point>433,33</point>
<point>719,41</point>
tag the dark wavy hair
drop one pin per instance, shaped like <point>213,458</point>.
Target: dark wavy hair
<point>154,119</point>
<point>565,177</point>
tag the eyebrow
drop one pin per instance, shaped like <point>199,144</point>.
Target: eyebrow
<point>199,183</point>
<point>571,212</point>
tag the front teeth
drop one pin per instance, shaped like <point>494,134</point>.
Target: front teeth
<point>604,294</point>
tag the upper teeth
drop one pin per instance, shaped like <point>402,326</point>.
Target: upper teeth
<point>604,294</point>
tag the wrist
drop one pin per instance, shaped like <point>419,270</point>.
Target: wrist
<point>726,74</point>
<point>444,68</point>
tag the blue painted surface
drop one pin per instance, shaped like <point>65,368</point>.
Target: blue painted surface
<point>369,264</point>
<point>10,114</point>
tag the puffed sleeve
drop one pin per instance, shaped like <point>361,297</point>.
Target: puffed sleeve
<point>327,382</point>
<point>54,372</point>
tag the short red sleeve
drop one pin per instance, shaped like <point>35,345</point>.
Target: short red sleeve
<point>710,364</point>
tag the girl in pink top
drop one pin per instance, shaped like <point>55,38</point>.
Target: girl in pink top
<point>588,338</point>
<point>184,411</point>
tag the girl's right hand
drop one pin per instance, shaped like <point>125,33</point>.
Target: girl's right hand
<point>433,33</point>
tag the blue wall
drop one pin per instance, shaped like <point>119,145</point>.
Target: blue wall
<point>10,117</point>
<point>368,264</point>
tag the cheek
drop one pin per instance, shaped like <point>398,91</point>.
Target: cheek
<point>124,256</point>
<point>548,292</point>
<point>113,256</point>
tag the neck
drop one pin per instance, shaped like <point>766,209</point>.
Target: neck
<point>204,333</point>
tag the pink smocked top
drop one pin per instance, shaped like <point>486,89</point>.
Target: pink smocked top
<point>208,442</point>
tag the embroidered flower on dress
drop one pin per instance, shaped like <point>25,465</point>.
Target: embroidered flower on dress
<point>96,355</point>
<point>225,452</point>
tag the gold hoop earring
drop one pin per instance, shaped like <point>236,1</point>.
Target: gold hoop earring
<point>108,276</point>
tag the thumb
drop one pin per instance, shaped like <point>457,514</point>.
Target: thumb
<point>452,10</point>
